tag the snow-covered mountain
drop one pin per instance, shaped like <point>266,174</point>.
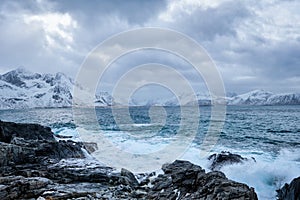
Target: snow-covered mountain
<point>256,97</point>
<point>261,97</point>
<point>183,99</point>
<point>23,89</point>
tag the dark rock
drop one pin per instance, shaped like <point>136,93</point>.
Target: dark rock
<point>183,174</point>
<point>18,187</point>
<point>69,172</point>
<point>225,158</point>
<point>9,130</point>
<point>60,150</point>
<point>63,136</point>
<point>36,151</point>
<point>31,143</point>
<point>33,164</point>
<point>290,191</point>
<point>144,178</point>
<point>184,180</point>
<point>90,146</point>
<point>129,177</point>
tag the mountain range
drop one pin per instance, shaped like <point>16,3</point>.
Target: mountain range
<point>21,89</point>
<point>24,89</point>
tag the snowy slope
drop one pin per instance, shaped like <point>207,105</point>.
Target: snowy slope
<point>23,89</point>
<point>256,97</point>
<point>261,97</point>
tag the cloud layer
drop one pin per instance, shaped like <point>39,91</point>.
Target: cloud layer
<point>255,44</point>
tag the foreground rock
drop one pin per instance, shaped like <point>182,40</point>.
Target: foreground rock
<point>34,165</point>
<point>184,180</point>
<point>225,158</point>
<point>290,191</point>
<point>32,143</point>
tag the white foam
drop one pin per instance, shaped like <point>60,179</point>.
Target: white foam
<point>125,141</point>
<point>65,131</point>
<point>142,125</point>
<point>266,176</point>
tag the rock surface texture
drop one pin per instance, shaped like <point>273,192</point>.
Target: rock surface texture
<point>290,191</point>
<point>34,165</point>
<point>184,180</point>
<point>225,158</point>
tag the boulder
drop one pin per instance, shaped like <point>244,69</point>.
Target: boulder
<point>184,180</point>
<point>19,187</point>
<point>34,166</point>
<point>290,191</point>
<point>91,147</point>
<point>129,178</point>
<point>32,143</point>
<point>9,130</point>
<point>225,158</point>
<point>11,154</point>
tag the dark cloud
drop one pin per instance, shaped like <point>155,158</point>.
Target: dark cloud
<point>255,44</point>
<point>133,11</point>
<point>207,23</point>
<point>281,60</point>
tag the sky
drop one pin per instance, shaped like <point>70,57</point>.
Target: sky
<point>254,44</point>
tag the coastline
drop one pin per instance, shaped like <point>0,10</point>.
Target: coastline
<point>35,165</point>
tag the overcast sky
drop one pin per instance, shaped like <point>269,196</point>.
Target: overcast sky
<point>255,44</point>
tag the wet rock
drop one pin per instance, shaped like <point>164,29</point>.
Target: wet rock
<point>290,191</point>
<point>18,187</point>
<point>90,146</point>
<point>11,154</point>
<point>33,151</point>
<point>31,143</point>
<point>225,158</point>
<point>129,177</point>
<point>9,130</point>
<point>34,166</point>
<point>184,180</point>
<point>78,171</point>
<point>60,150</point>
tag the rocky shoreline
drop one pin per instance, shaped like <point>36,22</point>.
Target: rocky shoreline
<point>34,165</point>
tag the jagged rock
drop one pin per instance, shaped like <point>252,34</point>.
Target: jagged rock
<point>11,154</point>
<point>74,172</point>
<point>18,187</point>
<point>34,166</point>
<point>30,143</point>
<point>129,177</point>
<point>290,191</point>
<point>225,158</point>
<point>60,150</point>
<point>34,151</point>
<point>9,130</point>
<point>184,180</point>
<point>90,146</point>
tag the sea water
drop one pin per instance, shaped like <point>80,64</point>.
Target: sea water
<point>270,134</point>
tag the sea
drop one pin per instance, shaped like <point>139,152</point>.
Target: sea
<point>269,134</point>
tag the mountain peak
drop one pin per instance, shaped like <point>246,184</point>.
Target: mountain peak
<point>21,72</point>
<point>22,69</point>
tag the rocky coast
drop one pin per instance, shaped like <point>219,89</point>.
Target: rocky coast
<point>34,164</point>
